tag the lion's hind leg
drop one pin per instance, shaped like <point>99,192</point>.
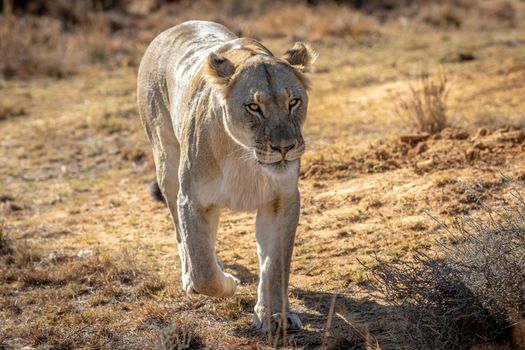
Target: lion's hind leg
<point>156,120</point>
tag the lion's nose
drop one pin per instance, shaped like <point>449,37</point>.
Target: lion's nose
<point>283,149</point>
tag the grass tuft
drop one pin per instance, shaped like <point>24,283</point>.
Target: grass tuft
<point>426,107</point>
<point>180,336</point>
<point>474,294</point>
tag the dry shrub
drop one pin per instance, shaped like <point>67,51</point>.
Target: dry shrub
<point>305,22</point>
<point>69,13</point>
<point>492,15</point>
<point>474,294</point>
<point>180,336</point>
<point>15,255</point>
<point>39,46</point>
<point>31,47</point>
<point>502,11</point>
<point>426,106</point>
<point>10,110</point>
<point>100,44</point>
<point>5,244</point>
<point>444,16</point>
<point>437,309</point>
<point>57,38</point>
<point>171,14</point>
<point>469,14</point>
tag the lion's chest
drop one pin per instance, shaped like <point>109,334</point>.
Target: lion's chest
<point>244,186</point>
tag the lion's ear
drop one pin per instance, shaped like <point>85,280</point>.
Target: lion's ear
<point>300,56</point>
<point>219,68</point>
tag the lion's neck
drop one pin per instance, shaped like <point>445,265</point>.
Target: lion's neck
<point>237,181</point>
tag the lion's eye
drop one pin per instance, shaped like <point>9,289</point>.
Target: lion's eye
<point>294,102</point>
<point>254,107</point>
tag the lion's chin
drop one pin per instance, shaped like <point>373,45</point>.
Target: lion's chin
<point>280,168</point>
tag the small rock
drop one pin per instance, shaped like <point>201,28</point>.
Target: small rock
<point>85,253</point>
<point>472,154</point>
<point>414,138</point>
<point>422,147</point>
<point>425,165</point>
<point>6,198</point>
<point>460,135</point>
<point>466,56</point>
<point>15,207</point>
<point>343,233</point>
<point>458,57</point>
<point>454,134</point>
<point>382,154</point>
<point>481,133</point>
<point>392,163</point>
<point>53,256</point>
<point>480,145</point>
<point>517,136</point>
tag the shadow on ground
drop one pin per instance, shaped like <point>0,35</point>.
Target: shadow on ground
<point>353,325</point>
<point>242,273</point>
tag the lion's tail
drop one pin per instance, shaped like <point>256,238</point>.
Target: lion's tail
<point>155,192</point>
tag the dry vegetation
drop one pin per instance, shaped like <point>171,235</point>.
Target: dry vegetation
<point>473,292</point>
<point>88,260</point>
<point>426,107</point>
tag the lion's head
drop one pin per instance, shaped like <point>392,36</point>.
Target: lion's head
<point>264,99</point>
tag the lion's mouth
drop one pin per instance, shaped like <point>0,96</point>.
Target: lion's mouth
<point>276,159</point>
<point>278,167</point>
<point>279,163</point>
<point>274,162</point>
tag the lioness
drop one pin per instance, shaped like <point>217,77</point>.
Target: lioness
<point>224,119</point>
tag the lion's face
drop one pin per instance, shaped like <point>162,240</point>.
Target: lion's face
<point>265,106</point>
<point>266,110</point>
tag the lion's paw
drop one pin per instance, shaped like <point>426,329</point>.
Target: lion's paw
<point>224,285</point>
<point>274,323</point>
<point>231,283</point>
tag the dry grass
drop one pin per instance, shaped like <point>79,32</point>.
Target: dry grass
<point>30,48</point>
<point>95,295</point>
<point>180,337</point>
<point>58,39</point>
<point>76,168</point>
<point>474,294</point>
<point>426,107</point>
<point>39,46</point>
<point>315,23</point>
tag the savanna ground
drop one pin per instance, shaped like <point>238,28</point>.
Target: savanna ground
<point>88,260</point>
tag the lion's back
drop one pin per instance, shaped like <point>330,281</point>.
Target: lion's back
<point>171,62</point>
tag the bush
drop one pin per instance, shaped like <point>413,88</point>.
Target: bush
<point>38,46</point>
<point>29,47</point>
<point>426,107</point>
<point>303,22</point>
<point>474,294</point>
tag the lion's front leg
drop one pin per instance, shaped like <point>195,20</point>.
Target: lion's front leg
<point>276,224</point>
<point>197,227</point>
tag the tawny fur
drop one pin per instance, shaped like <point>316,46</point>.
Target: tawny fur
<point>195,84</point>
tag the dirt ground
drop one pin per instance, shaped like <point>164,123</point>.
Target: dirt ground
<point>88,260</point>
